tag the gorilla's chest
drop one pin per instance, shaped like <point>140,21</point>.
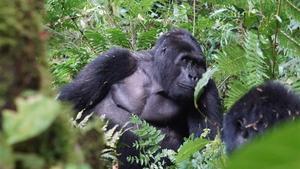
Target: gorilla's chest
<point>141,95</point>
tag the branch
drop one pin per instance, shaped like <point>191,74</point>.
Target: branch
<point>293,6</point>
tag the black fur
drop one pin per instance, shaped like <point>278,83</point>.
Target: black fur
<point>92,84</point>
<point>157,85</point>
<point>261,108</point>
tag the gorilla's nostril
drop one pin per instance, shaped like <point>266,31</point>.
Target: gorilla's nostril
<point>193,77</point>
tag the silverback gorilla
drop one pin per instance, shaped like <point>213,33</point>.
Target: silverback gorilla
<point>259,109</point>
<point>157,85</point>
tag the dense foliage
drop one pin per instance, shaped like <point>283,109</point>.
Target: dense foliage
<point>35,129</point>
<point>248,42</point>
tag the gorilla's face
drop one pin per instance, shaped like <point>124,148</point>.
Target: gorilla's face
<point>189,68</point>
<point>180,64</point>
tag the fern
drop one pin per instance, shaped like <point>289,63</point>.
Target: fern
<point>289,73</point>
<point>236,90</point>
<point>145,40</point>
<point>111,138</point>
<point>289,44</point>
<point>292,8</point>
<point>150,153</point>
<point>257,62</point>
<point>193,153</point>
<point>118,38</point>
<point>96,40</point>
<point>231,60</point>
<point>189,147</point>
<point>211,156</point>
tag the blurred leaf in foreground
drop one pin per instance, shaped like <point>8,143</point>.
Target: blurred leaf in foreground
<point>277,149</point>
<point>34,115</point>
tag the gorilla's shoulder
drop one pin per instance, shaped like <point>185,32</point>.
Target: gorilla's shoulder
<point>93,82</point>
<point>143,56</point>
<point>272,92</point>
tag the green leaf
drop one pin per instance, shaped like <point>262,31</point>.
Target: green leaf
<point>201,83</point>
<point>76,166</point>
<point>35,114</point>
<point>189,148</point>
<point>251,20</point>
<point>6,156</point>
<point>30,161</point>
<point>277,149</point>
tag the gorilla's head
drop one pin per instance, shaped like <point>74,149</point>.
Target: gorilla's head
<point>259,109</point>
<point>179,64</point>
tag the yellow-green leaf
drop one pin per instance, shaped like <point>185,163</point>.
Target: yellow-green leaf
<point>34,115</point>
<point>201,83</point>
<point>189,148</point>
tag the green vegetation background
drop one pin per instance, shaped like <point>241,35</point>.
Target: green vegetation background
<point>248,42</point>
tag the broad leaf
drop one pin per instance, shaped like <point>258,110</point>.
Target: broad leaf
<point>277,149</point>
<point>6,156</point>
<point>189,148</point>
<point>30,160</point>
<point>34,115</point>
<point>201,83</point>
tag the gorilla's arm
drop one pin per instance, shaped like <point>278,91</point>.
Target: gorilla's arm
<point>209,115</point>
<point>94,81</point>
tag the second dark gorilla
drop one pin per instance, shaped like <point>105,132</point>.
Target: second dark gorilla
<point>157,85</point>
<point>261,108</point>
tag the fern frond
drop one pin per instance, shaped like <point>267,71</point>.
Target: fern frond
<point>212,156</point>
<point>189,147</point>
<point>231,60</point>
<point>292,9</point>
<point>118,38</point>
<point>148,145</point>
<point>296,86</point>
<point>257,62</point>
<point>236,90</point>
<point>241,4</point>
<point>289,44</point>
<point>290,73</point>
<point>96,40</point>
<point>146,39</point>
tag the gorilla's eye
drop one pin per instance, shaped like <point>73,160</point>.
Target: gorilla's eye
<point>193,63</point>
<point>185,60</point>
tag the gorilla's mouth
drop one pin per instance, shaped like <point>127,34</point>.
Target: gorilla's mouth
<point>186,86</point>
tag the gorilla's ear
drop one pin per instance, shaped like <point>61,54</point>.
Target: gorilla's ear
<point>94,81</point>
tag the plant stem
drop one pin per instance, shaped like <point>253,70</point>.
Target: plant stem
<point>194,17</point>
<point>293,6</point>
<point>274,63</point>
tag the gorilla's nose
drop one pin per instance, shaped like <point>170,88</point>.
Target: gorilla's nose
<point>193,78</point>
